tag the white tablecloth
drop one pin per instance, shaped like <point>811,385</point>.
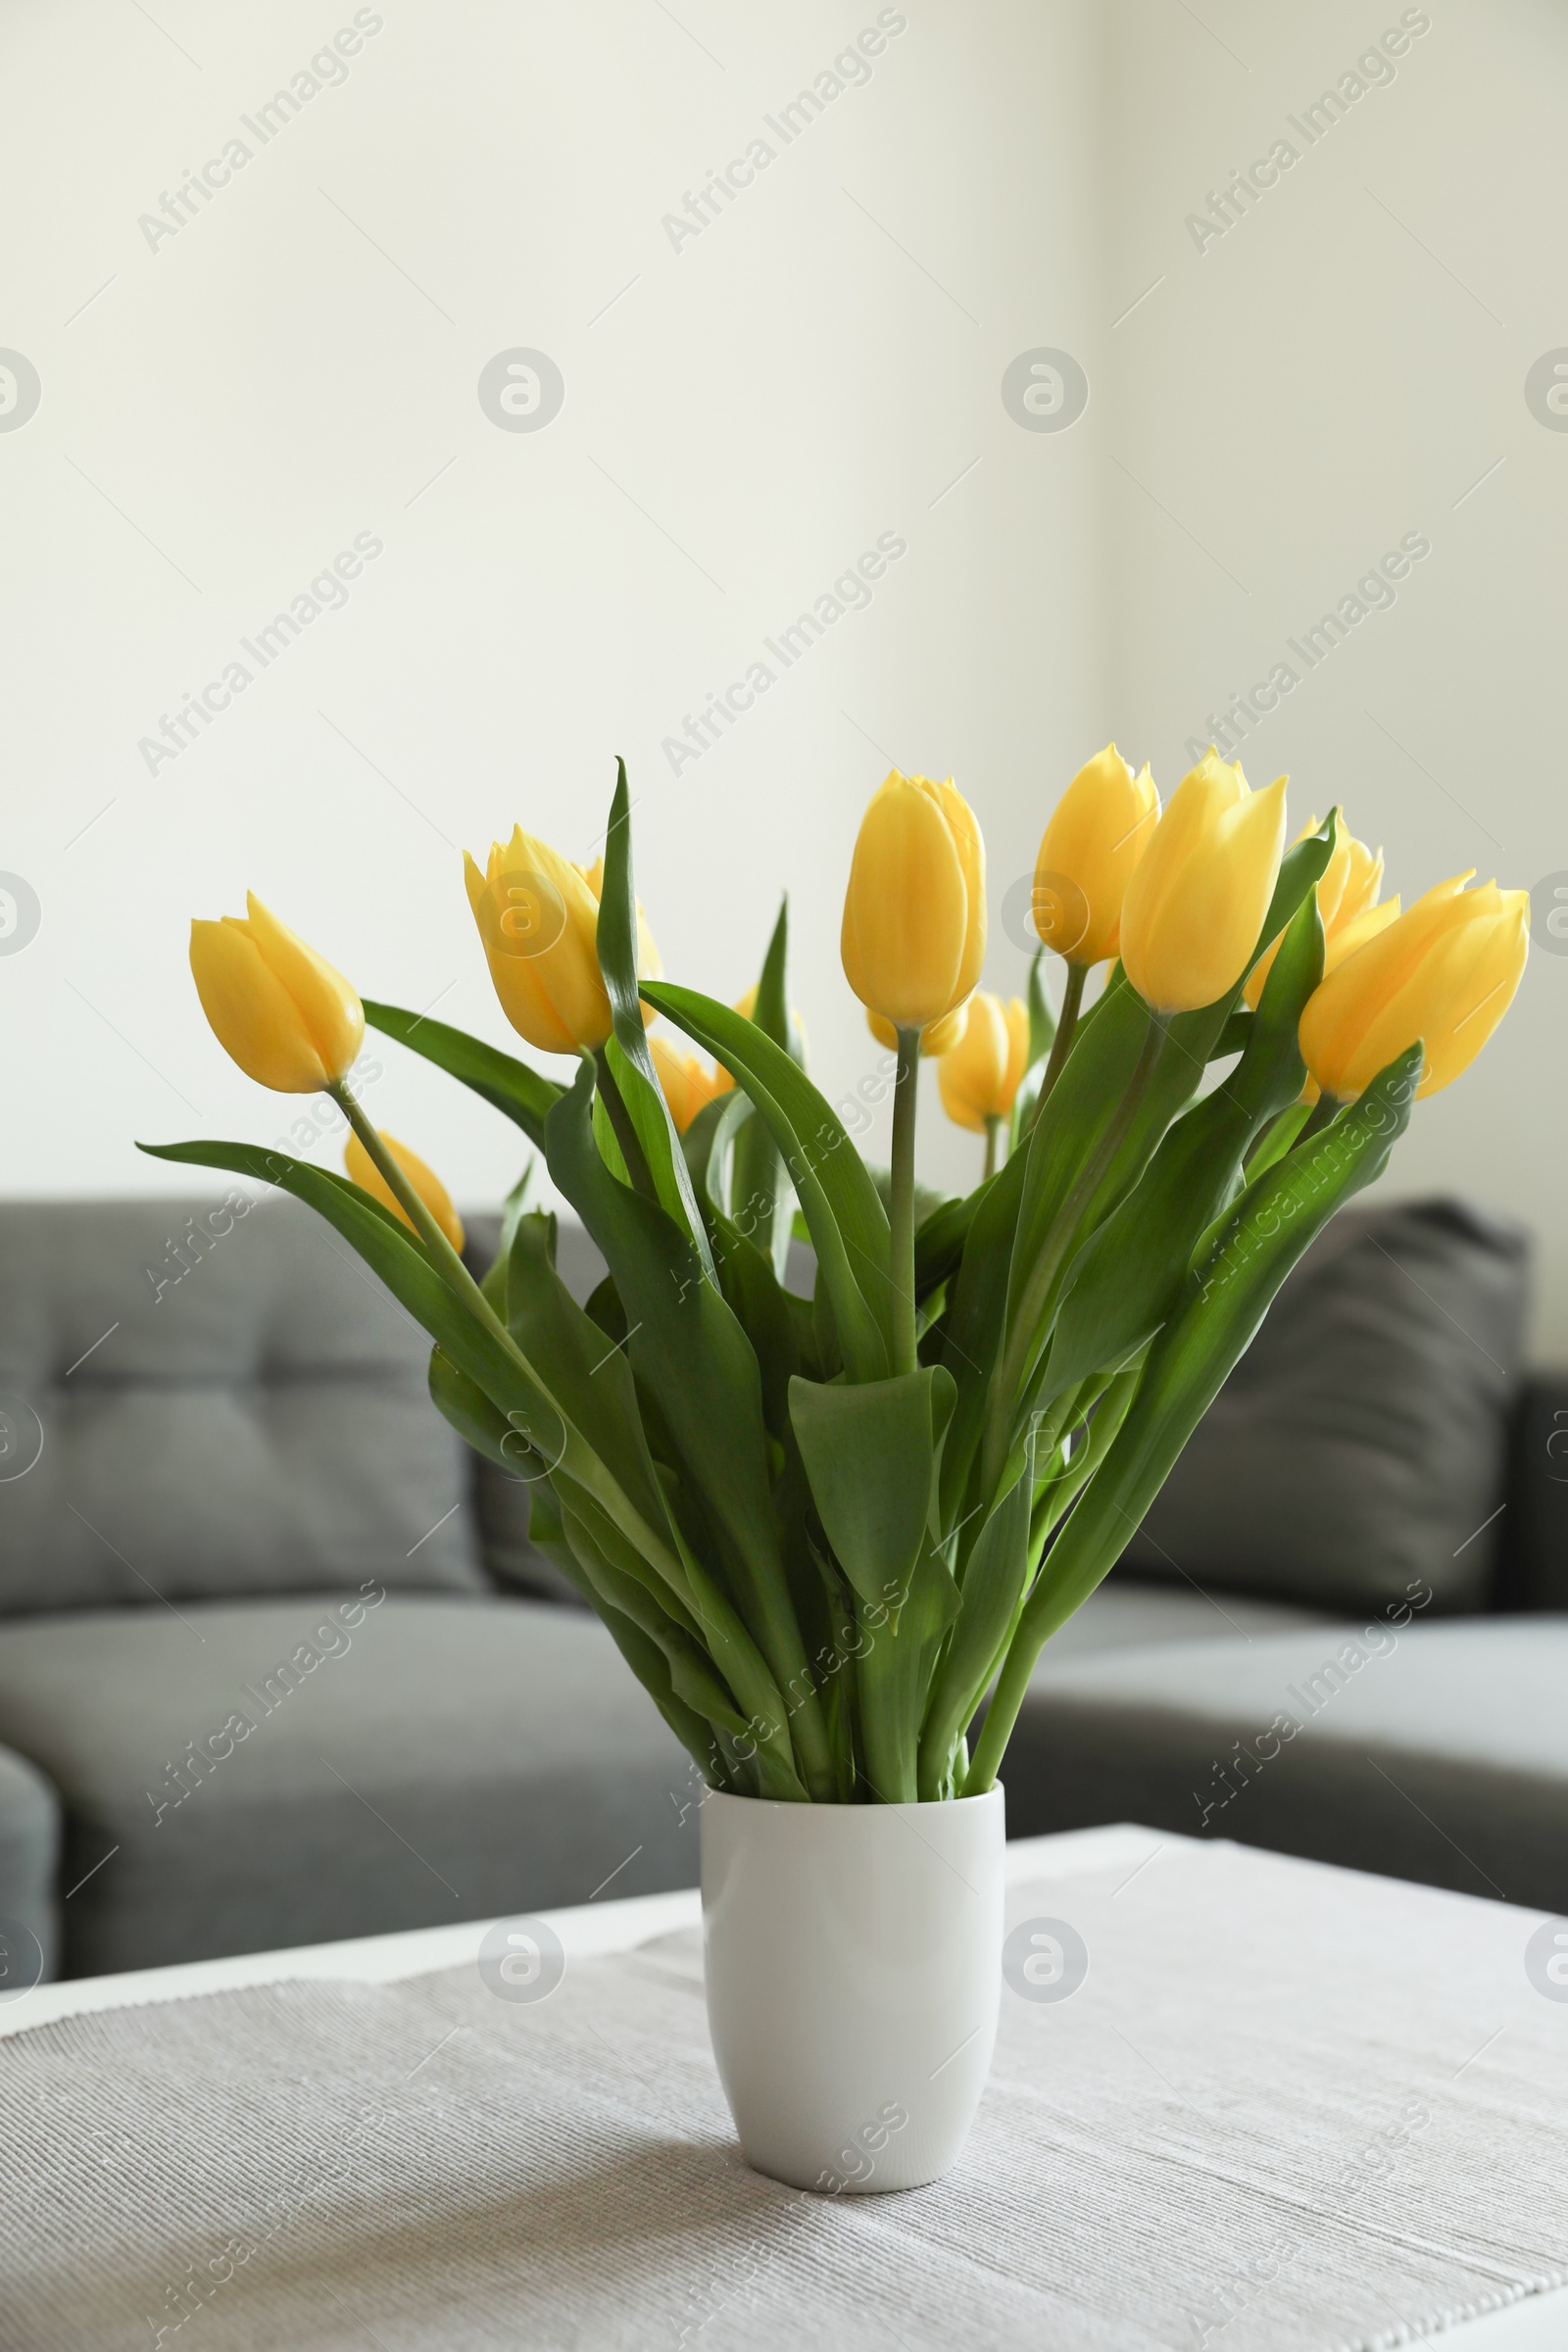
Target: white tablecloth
<point>1287,2108</point>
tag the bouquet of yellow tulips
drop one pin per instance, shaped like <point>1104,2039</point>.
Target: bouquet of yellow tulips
<point>823,1529</point>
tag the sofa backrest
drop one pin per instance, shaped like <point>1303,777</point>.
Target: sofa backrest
<point>1361,1447</point>
<point>205,1399</point>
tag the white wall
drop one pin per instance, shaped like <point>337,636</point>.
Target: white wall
<point>1300,393</point>
<point>754,410</point>
<point>743,417</point>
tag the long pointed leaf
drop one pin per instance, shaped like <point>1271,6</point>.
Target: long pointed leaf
<point>641,1091</point>
<point>509,1084</point>
<point>848,1224</point>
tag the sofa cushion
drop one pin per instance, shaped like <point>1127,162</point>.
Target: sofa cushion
<point>1129,1612</point>
<point>284,1772</point>
<point>1430,1752</point>
<point>1362,1439</point>
<point>30,1859</point>
<point>227,1403</point>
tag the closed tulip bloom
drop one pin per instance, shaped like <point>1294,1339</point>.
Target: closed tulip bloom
<point>363,1172</point>
<point>1445,972</point>
<point>1196,899</point>
<point>278,1009</point>
<point>539,919</point>
<point>1102,828</point>
<point>1347,889</point>
<point>689,1084</point>
<point>978,1078</point>
<point>913,936</point>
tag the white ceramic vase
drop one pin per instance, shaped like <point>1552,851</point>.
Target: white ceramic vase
<point>854,1968</point>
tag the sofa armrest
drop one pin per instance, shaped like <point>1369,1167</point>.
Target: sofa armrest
<point>1533,1564</point>
<point>30,1838</point>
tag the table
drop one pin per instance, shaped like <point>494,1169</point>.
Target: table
<point>1160,2101</point>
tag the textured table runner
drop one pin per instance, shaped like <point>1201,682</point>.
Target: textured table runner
<point>1289,2107</point>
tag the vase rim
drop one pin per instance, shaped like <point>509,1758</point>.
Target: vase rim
<point>932,1804</point>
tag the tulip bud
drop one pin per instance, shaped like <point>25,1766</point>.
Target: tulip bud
<point>688,1084</point>
<point>539,920</point>
<point>1347,889</point>
<point>1445,972</point>
<point>1102,828</point>
<point>363,1172</point>
<point>978,1077</point>
<point>1198,897</point>
<point>913,936</point>
<point>274,1006</point>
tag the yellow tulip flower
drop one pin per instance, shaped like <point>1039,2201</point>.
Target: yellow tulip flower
<point>914,937</point>
<point>538,918</point>
<point>1102,828</point>
<point>280,1010</point>
<point>1347,889</point>
<point>1198,897</point>
<point>363,1172</point>
<point>1345,938</point>
<point>1445,972</point>
<point>689,1084</point>
<point>978,1077</point>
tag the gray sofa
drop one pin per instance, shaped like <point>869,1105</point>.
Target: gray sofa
<point>1371,1530</point>
<point>278,1665</point>
<point>262,1680</point>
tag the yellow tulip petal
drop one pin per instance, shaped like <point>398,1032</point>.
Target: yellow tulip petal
<point>972,851</point>
<point>972,1077</point>
<point>1444,971</point>
<point>908,935</point>
<point>538,921</point>
<point>328,1006</point>
<point>1088,855</point>
<point>1197,901</point>
<point>250,1013</point>
<point>936,1038</point>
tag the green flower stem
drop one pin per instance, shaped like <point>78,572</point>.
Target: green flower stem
<point>992,1135</point>
<point>626,1135</point>
<point>447,1262</point>
<point>1022,1338</point>
<point>888,1687</point>
<point>904,1355</point>
<point>1072,997</point>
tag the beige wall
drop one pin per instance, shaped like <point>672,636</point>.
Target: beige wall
<point>1341,367</point>
<point>747,410</point>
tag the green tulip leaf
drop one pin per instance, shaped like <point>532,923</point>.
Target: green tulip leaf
<point>758,1187</point>
<point>633,1070</point>
<point>1228,1290</point>
<point>1125,1279</point>
<point>505,1082</point>
<point>992,1587</point>
<point>847,1222</point>
<point>870,1450</point>
<point>691,1356</point>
